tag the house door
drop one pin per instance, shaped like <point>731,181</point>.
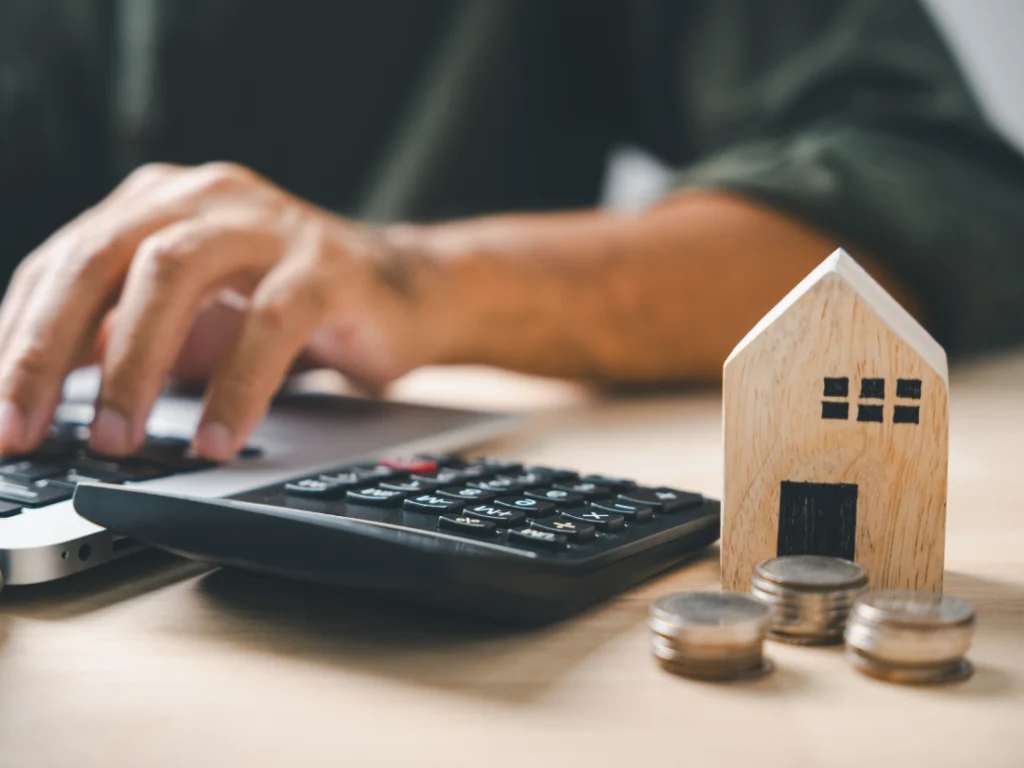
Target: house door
<point>818,519</point>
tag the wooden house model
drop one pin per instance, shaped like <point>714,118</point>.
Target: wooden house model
<point>836,434</point>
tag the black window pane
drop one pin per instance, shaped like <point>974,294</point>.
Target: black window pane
<point>908,388</point>
<point>869,413</point>
<point>872,388</point>
<point>906,414</point>
<point>837,387</point>
<point>830,410</point>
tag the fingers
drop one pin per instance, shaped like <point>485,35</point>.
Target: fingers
<point>175,271</point>
<point>285,310</point>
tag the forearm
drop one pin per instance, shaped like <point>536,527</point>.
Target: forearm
<point>660,296</point>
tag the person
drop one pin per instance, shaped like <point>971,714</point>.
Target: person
<point>379,186</point>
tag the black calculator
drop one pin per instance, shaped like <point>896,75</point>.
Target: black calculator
<point>490,537</point>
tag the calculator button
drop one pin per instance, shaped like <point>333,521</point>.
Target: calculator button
<point>531,537</point>
<point>466,494</point>
<point>558,497</point>
<point>375,497</point>
<point>552,475</point>
<point>496,466</point>
<point>532,507</point>
<point>603,521</point>
<point>416,465</point>
<point>405,486</point>
<point>314,488</point>
<point>615,483</point>
<point>662,499</point>
<point>471,525</point>
<point>349,480</point>
<point>379,472</point>
<point>441,478</point>
<point>506,518</point>
<point>574,530</point>
<point>529,479</point>
<point>634,513</point>
<point>587,490</point>
<point>431,504</point>
<point>500,485</point>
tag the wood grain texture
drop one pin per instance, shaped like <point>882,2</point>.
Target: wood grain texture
<point>155,663</point>
<point>776,432</point>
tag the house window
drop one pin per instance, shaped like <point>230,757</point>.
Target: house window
<point>872,389</point>
<point>869,413</point>
<point>906,414</point>
<point>907,389</point>
<point>833,410</point>
<point>837,387</point>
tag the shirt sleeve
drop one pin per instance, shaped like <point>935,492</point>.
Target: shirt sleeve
<point>853,117</point>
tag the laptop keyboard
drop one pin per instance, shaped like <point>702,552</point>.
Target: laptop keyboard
<point>50,473</point>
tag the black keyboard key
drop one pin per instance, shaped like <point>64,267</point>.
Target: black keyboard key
<point>375,497</point>
<point>634,513</point>
<point>314,488</point>
<point>615,483</point>
<point>466,494</point>
<point>532,507</point>
<point>474,526</point>
<point>28,471</point>
<point>574,530</point>
<point>603,521</point>
<point>251,452</point>
<point>36,494</point>
<point>662,499</point>
<point>588,490</point>
<point>501,516</point>
<point>531,537</point>
<point>9,510</point>
<point>431,504</point>
<point>562,499</point>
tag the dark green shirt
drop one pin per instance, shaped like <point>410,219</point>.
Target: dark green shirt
<point>850,115</point>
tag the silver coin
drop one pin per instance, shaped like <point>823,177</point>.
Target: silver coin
<point>812,572</point>
<point>914,610</point>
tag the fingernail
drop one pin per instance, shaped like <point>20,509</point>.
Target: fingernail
<point>110,433</point>
<point>12,426</point>
<point>213,441</point>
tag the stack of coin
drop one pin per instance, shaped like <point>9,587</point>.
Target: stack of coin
<point>810,596</point>
<point>710,635</point>
<point>910,637</point>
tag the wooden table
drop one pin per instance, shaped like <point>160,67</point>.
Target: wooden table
<point>157,662</point>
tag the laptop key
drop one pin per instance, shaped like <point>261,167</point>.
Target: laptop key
<point>28,471</point>
<point>36,494</point>
<point>9,510</point>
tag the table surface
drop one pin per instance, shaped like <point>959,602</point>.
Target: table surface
<point>157,661</point>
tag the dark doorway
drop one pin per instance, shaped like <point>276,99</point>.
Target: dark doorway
<point>818,519</point>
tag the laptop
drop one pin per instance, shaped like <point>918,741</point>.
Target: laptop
<point>42,538</point>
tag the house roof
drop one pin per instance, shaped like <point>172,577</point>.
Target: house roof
<point>888,310</point>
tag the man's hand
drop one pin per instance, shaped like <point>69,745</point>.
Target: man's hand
<point>207,272</point>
